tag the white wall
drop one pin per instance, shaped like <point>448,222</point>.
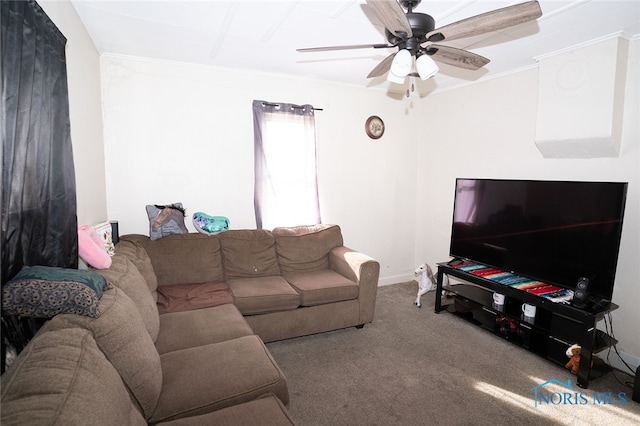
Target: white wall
<point>488,130</point>
<point>85,112</point>
<point>177,132</point>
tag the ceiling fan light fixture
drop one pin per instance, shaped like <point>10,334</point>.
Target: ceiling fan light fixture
<point>395,78</point>
<point>426,67</point>
<point>402,63</point>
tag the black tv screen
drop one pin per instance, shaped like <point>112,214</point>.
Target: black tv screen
<point>552,231</point>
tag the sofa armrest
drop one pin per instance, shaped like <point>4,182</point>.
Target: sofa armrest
<point>361,269</point>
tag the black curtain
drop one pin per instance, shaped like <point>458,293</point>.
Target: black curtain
<point>39,224</point>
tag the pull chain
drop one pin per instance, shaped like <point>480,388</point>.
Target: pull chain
<point>413,89</point>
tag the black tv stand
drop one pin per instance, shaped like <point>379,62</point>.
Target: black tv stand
<point>556,325</point>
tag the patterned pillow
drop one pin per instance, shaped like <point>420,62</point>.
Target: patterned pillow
<point>46,291</point>
<point>166,220</point>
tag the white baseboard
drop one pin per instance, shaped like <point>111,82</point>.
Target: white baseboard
<point>615,362</point>
<point>395,279</point>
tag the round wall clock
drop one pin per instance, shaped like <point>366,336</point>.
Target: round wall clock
<point>374,127</point>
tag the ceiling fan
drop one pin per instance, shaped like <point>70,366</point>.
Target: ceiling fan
<point>415,35</point>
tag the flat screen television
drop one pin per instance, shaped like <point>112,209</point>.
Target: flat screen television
<point>552,231</point>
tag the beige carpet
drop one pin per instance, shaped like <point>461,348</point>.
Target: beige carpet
<point>414,367</point>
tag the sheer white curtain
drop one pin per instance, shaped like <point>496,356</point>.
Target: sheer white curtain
<point>286,185</point>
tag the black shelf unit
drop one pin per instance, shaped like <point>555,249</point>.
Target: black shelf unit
<point>555,327</point>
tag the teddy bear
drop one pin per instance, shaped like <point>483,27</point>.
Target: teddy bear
<point>574,358</point>
<point>573,352</point>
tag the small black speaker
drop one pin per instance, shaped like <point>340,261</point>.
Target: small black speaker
<point>115,233</point>
<point>581,293</point>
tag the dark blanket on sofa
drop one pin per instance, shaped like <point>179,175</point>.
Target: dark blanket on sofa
<point>185,297</point>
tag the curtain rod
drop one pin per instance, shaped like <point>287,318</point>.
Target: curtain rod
<point>292,106</point>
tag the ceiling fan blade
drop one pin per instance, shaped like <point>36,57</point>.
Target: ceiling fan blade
<point>487,22</point>
<point>456,57</point>
<point>382,67</point>
<point>353,46</point>
<point>390,13</point>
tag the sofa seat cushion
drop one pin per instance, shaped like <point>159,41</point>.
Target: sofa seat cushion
<point>62,378</point>
<point>188,329</point>
<point>248,253</point>
<point>185,297</point>
<point>207,378</point>
<point>306,248</point>
<point>322,286</point>
<point>254,296</point>
<point>266,410</point>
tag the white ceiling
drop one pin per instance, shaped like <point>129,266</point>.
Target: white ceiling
<point>262,35</point>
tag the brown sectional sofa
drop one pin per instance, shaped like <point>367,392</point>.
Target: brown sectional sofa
<point>203,359</point>
<point>288,282</point>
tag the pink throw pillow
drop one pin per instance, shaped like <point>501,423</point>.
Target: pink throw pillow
<point>91,248</point>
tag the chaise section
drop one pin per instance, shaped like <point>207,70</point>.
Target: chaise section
<point>63,378</point>
<point>180,382</point>
<point>266,410</point>
<point>237,371</point>
<point>121,335</point>
<point>182,330</point>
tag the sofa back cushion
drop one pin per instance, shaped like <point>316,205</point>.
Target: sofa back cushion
<point>139,257</point>
<point>306,248</point>
<point>123,274</point>
<point>121,335</point>
<point>183,259</point>
<point>61,377</point>
<point>249,253</point>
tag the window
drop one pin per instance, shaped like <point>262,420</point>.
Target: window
<point>286,187</point>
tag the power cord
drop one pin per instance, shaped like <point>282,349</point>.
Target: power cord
<point>608,324</point>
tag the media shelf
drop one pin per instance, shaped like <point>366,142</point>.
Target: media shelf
<point>555,327</point>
